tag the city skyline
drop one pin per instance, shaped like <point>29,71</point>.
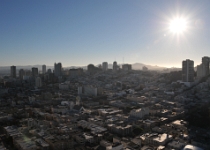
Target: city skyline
<point>78,33</point>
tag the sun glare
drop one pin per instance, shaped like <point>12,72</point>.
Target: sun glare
<point>178,25</point>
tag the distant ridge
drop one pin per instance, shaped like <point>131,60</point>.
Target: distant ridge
<point>138,66</point>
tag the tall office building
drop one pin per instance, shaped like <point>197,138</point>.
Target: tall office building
<point>188,70</point>
<point>34,72</point>
<point>43,69</point>
<point>13,71</point>
<point>58,69</point>
<point>21,74</point>
<point>115,66</point>
<point>105,66</point>
<point>49,71</point>
<point>200,71</point>
<point>205,63</point>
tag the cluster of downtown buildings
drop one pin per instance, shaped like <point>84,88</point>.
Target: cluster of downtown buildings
<point>58,72</point>
<point>99,108</point>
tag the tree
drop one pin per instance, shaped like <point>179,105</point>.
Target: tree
<point>137,131</point>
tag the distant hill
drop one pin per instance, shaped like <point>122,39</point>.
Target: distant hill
<point>138,66</point>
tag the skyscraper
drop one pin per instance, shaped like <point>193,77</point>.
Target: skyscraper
<point>205,64</point>
<point>49,71</point>
<point>13,71</point>
<point>34,72</point>
<point>188,70</point>
<point>115,66</point>
<point>43,69</point>
<point>105,66</point>
<point>21,74</point>
<point>58,69</point>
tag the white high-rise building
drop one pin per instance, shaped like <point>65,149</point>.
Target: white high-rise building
<point>188,70</point>
<point>43,69</point>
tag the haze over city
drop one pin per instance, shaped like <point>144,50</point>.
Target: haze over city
<point>104,75</point>
<point>78,33</point>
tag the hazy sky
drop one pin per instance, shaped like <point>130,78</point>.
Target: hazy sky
<point>79,32</point>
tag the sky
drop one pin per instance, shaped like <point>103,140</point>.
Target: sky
<point>80,32</point>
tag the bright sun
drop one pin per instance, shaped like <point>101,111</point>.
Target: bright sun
<point>178,25</point>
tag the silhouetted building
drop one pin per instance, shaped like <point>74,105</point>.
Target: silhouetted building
<point>28,72</point>
<point>21,74</point>
<point>43,69</point>
<point>58,69</point>
<point>188,70</point>
<point>52,77</point>
<point>13,71</point>
<point>115,67</point>
<point>75,72</point>
<point>105,66</point>
<point>126,67</point>
<point>35,72</point>
<point>200,71</point>
<point>205,63</point>
<point>203,68</point>
<point>49,71</point>
<point>91,68</point>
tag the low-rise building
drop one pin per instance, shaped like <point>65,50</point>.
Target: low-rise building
<point>155,139</point>
<point>175,145</point>
<point>139,113</point>
<point>121,130</point>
